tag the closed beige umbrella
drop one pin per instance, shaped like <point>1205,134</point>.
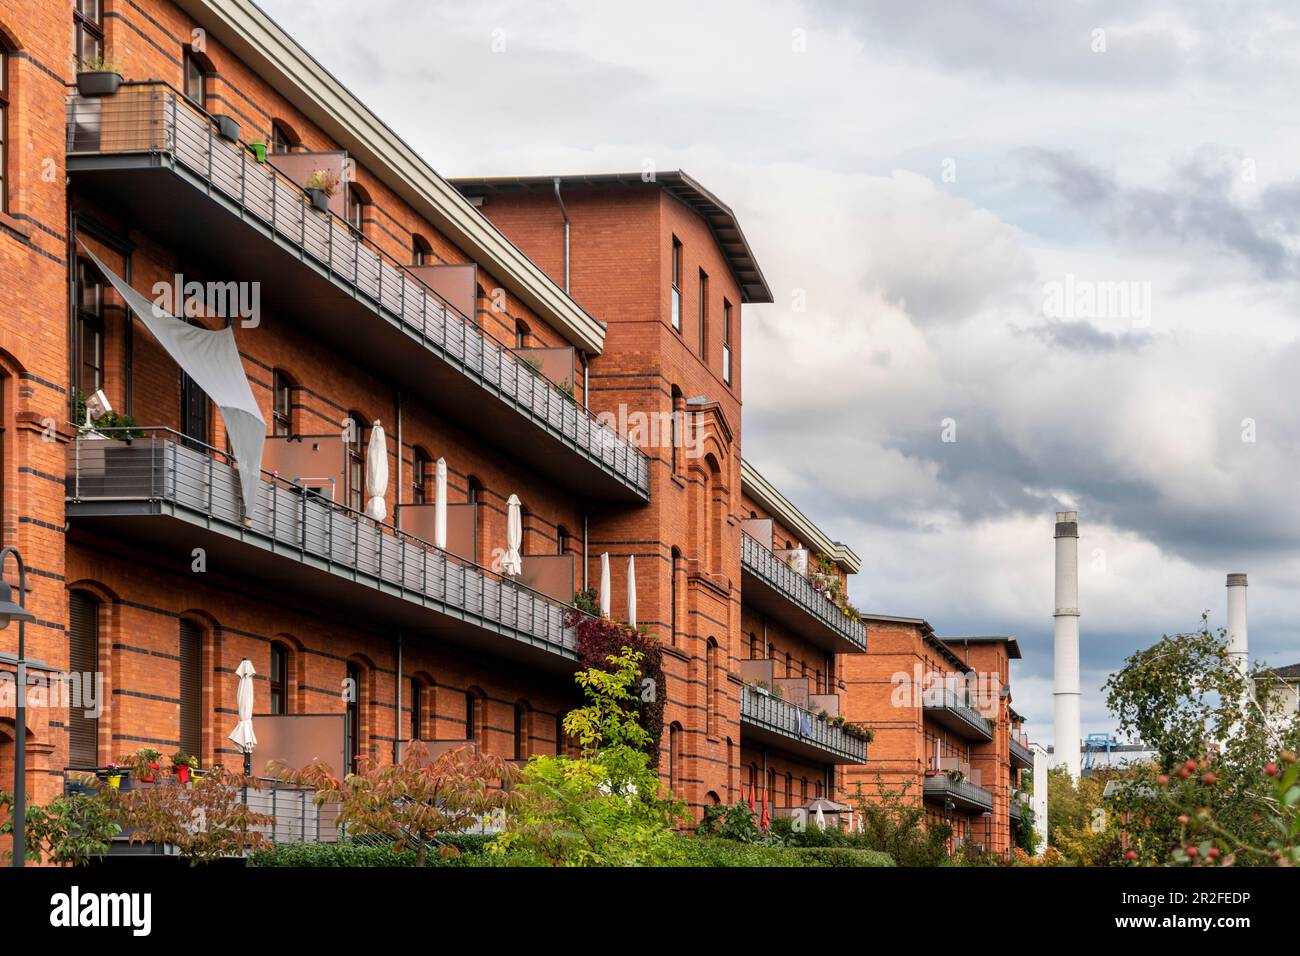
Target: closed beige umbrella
<point>631,590</point>
<point>604,584</point>
<point>513,563</point>
<point>440,504</point>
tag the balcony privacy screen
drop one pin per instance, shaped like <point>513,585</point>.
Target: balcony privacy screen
<point>212,360</point>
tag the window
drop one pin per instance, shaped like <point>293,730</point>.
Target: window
<point>472,716</point>
<point>352,718</point>
<point>676,423</point>
<point>282,140</point>
<point>191,687</point>
<point>711,703</point>
<point>726,342</point>
<point>89,340</point>
<point>83,658</point>
<point>674,757</point>
<point>354,439</point>
<point>87,32</point>
<point>674,570</point>
<point>677,284</point>
<point>355,206</point>
<point>473,490</point>
<point>521,732</point>
<point>561,540</point>
<point>421,251</point>
<point>4,127</point>
<point>704,315</point>
<point>420,472</point>
<point>281,404</point>
<point>521,334</point>
<point>196,80</point>
<point>417,708</point>
<point>279,679</point>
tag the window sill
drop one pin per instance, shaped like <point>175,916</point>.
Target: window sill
<point>15,226</point>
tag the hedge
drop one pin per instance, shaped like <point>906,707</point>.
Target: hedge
<point>349,854</point>
<point>711,851</point>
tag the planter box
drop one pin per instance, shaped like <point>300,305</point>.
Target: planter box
<point>227,127</point>
<point>320,199</point>
<point>98,83</point>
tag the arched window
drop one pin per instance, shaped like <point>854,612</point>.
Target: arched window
<point>789,788</point>
<point>421,474</point>
<point>281,403</point>
<point>712,798</point>
<point>711,686</point>
<point>83,658</point>
<point>355,439</point>
<point>279,679</point>
<point>190,687</point>
<point>283,139</point>
<point>421,251</point>
<point>352,717</point>
<point>803,790</point>
<point>474,715</point>
<point>4,125</point>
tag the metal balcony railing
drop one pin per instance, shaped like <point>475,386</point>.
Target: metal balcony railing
<point>961,792</point>
<point>199,483</point>
<point>762,563</point>
<point>795,723</point>
<point>1021,752</point>
<point>152,118</point>
<point>959,705</point>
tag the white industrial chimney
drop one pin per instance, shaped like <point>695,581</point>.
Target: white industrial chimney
<point>1066,626</point>
<point>1237,644</point>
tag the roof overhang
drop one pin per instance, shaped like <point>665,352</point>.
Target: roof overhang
<point>1013,646</point>
<point>255,38</point>
<point>927,634</point>
<point>721,220</point>
<point>781,508</point>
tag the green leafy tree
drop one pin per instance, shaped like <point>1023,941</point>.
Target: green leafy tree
<point>72,829</point>
<point>205,820</point>
<point>894,823</point>
<point>604,808</point>
<point>1207,723</point>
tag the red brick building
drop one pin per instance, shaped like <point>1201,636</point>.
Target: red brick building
<point>573,342</point>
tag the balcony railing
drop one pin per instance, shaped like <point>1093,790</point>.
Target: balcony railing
<point>1021,753</point>
<point>162,472</point>
<point>788,725</point>
<point>845,633</point>
<point>153,120</point>
<point>965,795</point>
<point>956,710</point>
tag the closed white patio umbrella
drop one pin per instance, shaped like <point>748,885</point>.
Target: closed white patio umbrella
<point>243,735</point>
<point>604,584</point>
<point>440,504</point>
<point>631,590</point>
<point>376,474</point>
<point>513,563</point>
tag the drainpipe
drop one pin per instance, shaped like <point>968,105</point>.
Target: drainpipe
<point>586,388</point>
<point>564,212</point>
<point>586,510</point>
<point>397,508</point>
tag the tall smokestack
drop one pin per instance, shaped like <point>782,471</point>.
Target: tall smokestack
<point>1237,644</point>
<point>1066,626</point>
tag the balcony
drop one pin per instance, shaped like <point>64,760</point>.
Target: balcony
<point>955,710</point>
<point>779,724</point>
<point>957,788</point>
<point>154,159</point>
<point>170,494</point>
<point>1016,806</point>
<point>1022,755</point>
<point>776,589</point>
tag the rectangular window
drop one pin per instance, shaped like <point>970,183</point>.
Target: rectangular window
<point>677,284</point>
<point>279,679</point>
<point>4,129</point>
<point>89,340</point>
<point>195,82</point>
<point>704,315</point>
<point>726,341</point>
<point>191,688</point>
<point>282,400</point>
<point>87,32</point>
<point>83,658</point>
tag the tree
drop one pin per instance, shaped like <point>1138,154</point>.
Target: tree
<point>415,801</point>
<point>205,820</point>
<point>894,824</point>
<point>1186,699</point>
<point>604,808</point>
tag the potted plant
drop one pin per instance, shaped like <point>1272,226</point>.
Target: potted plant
<point>79,781</point>
<point>227,127</point>
<point>98,77</point>
<point>145,764</point>
<point>259,151</point>
<point>321,186</point>
<point>113,776</point>
<point>182,764</point>
<point>761,687</point>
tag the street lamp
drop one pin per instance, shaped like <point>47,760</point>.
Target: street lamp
<point>9,611</point>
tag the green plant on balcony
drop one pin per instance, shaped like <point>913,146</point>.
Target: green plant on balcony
<point>731,821</point>
<point>955,775</point>
<point>858,731</point>
<point>72,829</point>
<point>588,602</point>
<point>109,420</point>
<point>98,76</point>
<point>143,764</point>
<point>566,389</point>
<point>823,716</point>
<point>206,821</point>
<point>321,186</point>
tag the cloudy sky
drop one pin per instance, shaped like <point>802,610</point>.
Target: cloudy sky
<point>1063,234</point>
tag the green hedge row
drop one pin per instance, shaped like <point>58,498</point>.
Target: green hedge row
<point>708,851</point>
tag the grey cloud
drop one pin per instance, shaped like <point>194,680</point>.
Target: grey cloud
<point>1083,336</point>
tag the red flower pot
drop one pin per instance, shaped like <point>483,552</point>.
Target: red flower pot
<point>183,772</point>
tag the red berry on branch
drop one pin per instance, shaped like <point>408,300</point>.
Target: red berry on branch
<point>1193,852</point>
<point>1183,819</point>
<point>1183,773</point>
<point>1131,855</point>
<point>1190,765</point>
<point>1209,778</point>
<point>1271,769</point>
<point>1214,853</point>
<point>1163,780</point>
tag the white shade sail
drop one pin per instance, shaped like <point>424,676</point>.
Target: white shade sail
<point>440,504</point>
<point>211,359</point>
<point>243,735</point>
<point>376,473</point>
<point>604,584</point>
<point>512,562</point>
<point>631,590</point>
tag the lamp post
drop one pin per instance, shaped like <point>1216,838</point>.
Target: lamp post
<point>9,611</point>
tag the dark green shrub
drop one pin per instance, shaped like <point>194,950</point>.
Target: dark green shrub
<point>843,856</point>
<point>332,855</point>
